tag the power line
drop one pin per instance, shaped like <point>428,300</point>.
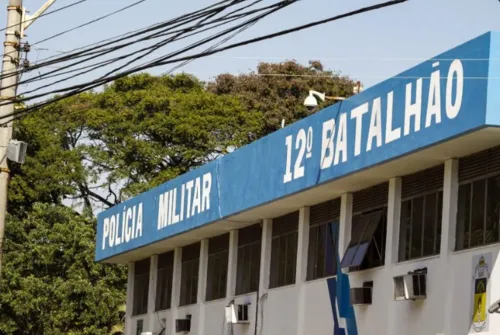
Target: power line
<point>107,62</point>
<point>90,22</point>
<point>48,13</point>
<point>93,50</point>
<point>81,88</point>
<point>93,84</point>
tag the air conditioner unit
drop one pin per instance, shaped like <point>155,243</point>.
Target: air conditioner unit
<point>148,333</point>
<point>237,313</point>
<point>411,286</point>
<point>362,295</point>
<point>183,325</point>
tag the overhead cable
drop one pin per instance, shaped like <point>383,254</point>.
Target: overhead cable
<point>81,88</point>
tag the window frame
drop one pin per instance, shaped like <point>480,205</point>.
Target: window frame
<point>439,193</point>
<point>288,237</point>
<point>216,287</point>
<point>141,278</point>
<point>382,221</point>
<point>461,239</point>
<point>168,270</point>
<point>245,283</point>
<point>191,268</point>
<point>332,230</point>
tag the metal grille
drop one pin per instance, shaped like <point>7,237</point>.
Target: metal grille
<point>423,181</point>
<point>286,224</point>
<point>372,197</point>
<point>249,234</point>
<point>479,164</point>
<point>218,244</point>
<point>191,252</point>
<point>324,212</point>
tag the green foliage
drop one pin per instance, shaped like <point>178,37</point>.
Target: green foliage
<point>50,282</point>
<point>278,90</point>
<point>156,128</point>
<point>98,149</point>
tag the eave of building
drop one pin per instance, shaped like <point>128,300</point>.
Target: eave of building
<point>459,147</point>
<point>252,177</point>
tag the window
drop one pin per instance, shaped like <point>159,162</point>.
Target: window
<point>323,240</point>
<point>284,250</point>
<point>421,212</point>
<point>189,274</point>
<point>139,327</point>
<point>218,253</point>
<point>248,264</point>
<point>164,281</point>
<point>478,214</point>
<point>141,287</point>
<point>369,224</point>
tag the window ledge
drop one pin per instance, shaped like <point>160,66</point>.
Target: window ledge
<point>364,271</point>
<point>208,302</point>
<point>485,246</point>
<point>163,310</point>
<point>280,287</point>
<point>319,279</point>
<point>417,260</point>
<point>242,295</point>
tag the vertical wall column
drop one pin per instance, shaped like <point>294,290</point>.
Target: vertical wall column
<point>130,300</point>
<point>301,273</point>
<point>393,218</point>
<point>176,288</point>
<point>345,222</point>
<point>448,236</point>
<point>265,266</point>
<point>202,286</point>
<point>232,264</point>
<point>391,249</point>
<point>149,323</point>
<point>265,255</point>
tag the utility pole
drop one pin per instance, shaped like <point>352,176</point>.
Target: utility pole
<point>17,22</point>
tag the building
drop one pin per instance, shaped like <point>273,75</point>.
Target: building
<point>314,227</point>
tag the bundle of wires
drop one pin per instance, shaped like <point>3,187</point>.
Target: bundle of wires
<point>231,17</point>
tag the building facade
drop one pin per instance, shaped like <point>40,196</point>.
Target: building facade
<point>377,215</point>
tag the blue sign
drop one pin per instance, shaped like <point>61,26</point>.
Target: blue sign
<point>435,101</point>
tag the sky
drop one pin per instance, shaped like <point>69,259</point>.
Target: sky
<point>369,47</point>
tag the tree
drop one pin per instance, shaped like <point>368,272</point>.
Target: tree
<point>147,130</point>
<point>277,90</point>
<point>50,282</point>
<point>99,148</point>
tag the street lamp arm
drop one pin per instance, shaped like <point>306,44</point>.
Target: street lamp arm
<point>29,19</point>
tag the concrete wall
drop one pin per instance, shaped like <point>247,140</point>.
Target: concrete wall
<point>307,308</point>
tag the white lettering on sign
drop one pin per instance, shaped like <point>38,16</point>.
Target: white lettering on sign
<point>415,116</point>
<point>122,228</point>
<point>303,145</point>
<point>188,200</point>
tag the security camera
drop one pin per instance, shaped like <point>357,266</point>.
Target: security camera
<point>495,308</point>
<point>311,102</point>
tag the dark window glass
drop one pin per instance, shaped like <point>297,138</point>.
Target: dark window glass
<point>141,287</point>
<point>139,327</point>
<point>478,213</point>
<point>218,253</point>
<point>367,246</point>
<point>420,226</point>
<point>323,250</point>
<point>164,281</point>
<point>248,264</point>
<point>284,250</point>
<point>189,274</point>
